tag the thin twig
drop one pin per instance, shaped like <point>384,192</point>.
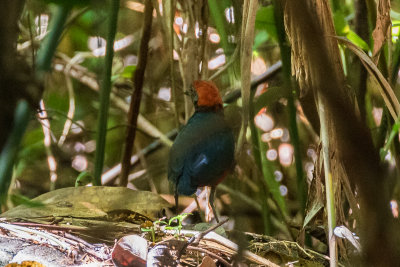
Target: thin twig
<point>227,65</point>
<point>112,173</point>
<point>171,59</point>
<point>29,233</point>
<point>138,80</point>
<point>71,110</point>
<point>52,163</point>
<point>211,254</point>
<point>196,239</point>
<point>269,74</point>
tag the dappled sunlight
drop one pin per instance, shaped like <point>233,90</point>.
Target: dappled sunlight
<point>285,154</point>
<point>278,176</point>
<point>277,133</point>
<point>90,146</point>
<point>164,93</point>
<point>264,121</point>
<point>98,44</point>
<point>79,147</point>
<point>258,66</point>
<point>79,163</point>
<point>135,6</point>
<point>283,190</point>
<point>230,15</point>
<point>42,23</point>
<point>272,154</point>
<point>394,206</point>
<point>216,62</point>
<point>377,115</point>
<point>214,38</point>
<point>179,21</point>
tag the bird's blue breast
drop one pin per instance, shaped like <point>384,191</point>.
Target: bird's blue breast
<point>202,152</point>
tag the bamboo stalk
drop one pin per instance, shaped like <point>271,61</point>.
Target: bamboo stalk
<point>105,94</point>
<point>330,195</point>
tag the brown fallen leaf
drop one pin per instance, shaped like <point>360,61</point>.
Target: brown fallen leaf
<point>129,251</point>
<point>25,264</point>
<point>207,262</point>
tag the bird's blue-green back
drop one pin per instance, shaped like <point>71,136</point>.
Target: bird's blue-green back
<point>202,152</point>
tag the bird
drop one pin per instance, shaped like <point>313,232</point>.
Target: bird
<point>203,151</point>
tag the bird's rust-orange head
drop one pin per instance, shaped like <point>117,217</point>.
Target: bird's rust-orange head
<point>208,96</point>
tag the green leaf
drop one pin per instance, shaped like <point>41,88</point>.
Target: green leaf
<point>217,15</point>
<point>10,150</point>
<point>355,39</point>
<point>128,71</point>
<point>265,20</point>
<point>83,179</point>
<point>18,199</point>
<point>261,37</point>
<point>340,22</point>
<point>69,2</point>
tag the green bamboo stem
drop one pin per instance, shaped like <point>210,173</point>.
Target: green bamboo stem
<point>10,150</point>
<point>105,94</point>
<point>217,15</point>
<point>50,43</point>
<point>330,194</point>
<point>265,212</point>
<point>392,135</point>
<point>272,184</point>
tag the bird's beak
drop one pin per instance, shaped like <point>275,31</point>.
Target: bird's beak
<point>191,92</point>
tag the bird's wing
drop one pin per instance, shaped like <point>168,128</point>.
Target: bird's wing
<point>212,158</point>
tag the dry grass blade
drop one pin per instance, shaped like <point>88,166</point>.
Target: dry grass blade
<point>384,88</point>
<point>307,62</point>
<point>353,142</point>
<point>246,50</point>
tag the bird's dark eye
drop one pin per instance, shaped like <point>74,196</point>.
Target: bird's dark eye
<point>193,95</point>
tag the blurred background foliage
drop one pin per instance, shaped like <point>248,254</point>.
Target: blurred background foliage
<point>265,182</point>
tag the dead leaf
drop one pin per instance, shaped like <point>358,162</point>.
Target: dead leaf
<point>25,264</point>
<point>98,202</point>
<point>130,250</point>
<point>382,27</point>
<point>303,69</point>
<point>162,253</point>
<point>344,232</point>
<point>207,262</point>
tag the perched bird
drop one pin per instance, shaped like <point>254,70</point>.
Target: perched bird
<point>203,151</point>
